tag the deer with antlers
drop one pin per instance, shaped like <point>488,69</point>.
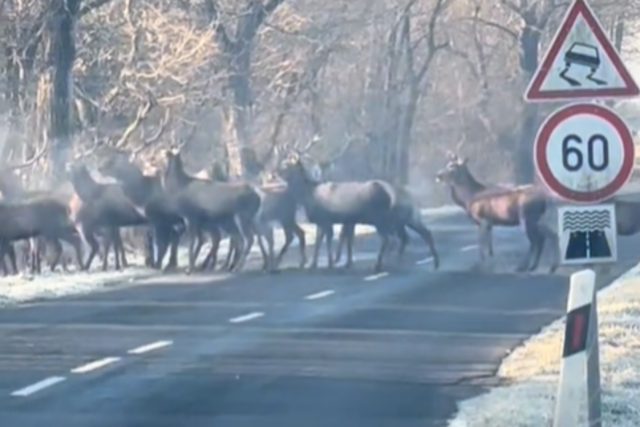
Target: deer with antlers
<point>505,207</point>
<point>345,203</point>
<point>210,206</point>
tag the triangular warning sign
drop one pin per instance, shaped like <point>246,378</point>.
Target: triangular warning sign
<point>581,63</point>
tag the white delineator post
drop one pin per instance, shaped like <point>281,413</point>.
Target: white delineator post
<point>580,367</point>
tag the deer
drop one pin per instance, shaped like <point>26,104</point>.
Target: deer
<point>101,207</point>
<point>346,203</point>
<point>39,216</point>
<point>407,215</point>
<point>524,205</point>
<point>148,197</point>
<point>14,194</point>
<point>210,206</point>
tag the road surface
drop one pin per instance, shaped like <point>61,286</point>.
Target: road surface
<point>332,349</point>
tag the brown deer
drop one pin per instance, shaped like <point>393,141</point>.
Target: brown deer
<point>37,216</point>
<point>102,207</point>
<point>14,193</point>
<point>346,203</point>
<point>407,215</point>
<point>147,195</point>
<point>505,207</point>
<point>210,206</point>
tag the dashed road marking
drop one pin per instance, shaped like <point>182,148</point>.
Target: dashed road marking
<point>246,317</point>
<point>320,295</point>
<point>424,261</point>
<point>96,364</point>
<point>150,347</point>
<point>469,248</point>
<point>36,387</point>
<point>376,276</point>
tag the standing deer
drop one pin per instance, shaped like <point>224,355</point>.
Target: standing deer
<point>149,198</point>
<point>504,207</point>
<point>346,203</point>
<point>102,207</point>
<point>209,206</point>
<point>406,215</point>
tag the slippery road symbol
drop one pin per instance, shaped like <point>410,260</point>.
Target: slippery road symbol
<point>584,55</point>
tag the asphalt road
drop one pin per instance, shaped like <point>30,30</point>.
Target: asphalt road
<point>297,348</point>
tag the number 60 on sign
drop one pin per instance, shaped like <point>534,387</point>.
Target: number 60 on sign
<point>584,153</point>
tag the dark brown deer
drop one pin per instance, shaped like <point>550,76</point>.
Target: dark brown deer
<point>147,195</point>
<point>346,203</point>
<point>37,216</point>
<point>504,207</point>
<point>12,190</point>
<point>209,206</point>
<point>102,207</point>
<point>407,215</point>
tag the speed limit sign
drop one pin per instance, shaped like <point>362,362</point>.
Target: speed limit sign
<point>584,153</point>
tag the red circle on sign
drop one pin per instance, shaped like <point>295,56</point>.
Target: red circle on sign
<point>542,165</point>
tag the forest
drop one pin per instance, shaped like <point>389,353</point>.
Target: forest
<point>362,88</point>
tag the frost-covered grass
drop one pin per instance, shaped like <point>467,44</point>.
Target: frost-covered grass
<point>23,288</point>
<point>532,370</point>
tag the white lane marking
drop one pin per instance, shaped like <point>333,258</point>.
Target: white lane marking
<point>96,364</point>
<point>424,261</point>
<point>150,347</point>
<point>40,385</point>
<point>469,248</point>
<point>320,295</point>
<point>376,276</point>
<point>246,317</point>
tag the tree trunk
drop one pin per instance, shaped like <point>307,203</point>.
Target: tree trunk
<point>58,79</point>
<point>529,46</point>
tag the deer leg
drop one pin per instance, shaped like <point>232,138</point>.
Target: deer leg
<point>490,239</point>
<point>263,232</point>
<point>232,252</point>
<point>247,234</point>
<point>302,243</point>
<point>426,235</point>
<point>56,246</point>
<point>119,249</point>
<point>267,250</point>
<point>158,246</point>
<point>199,244</point>
<point>344,231</point>
<point>329,246</point>
<point>288,228</point>
<point>149,248</point>
<point>192,233</point>
<point>211,259</point>
<point>320,234</point>
<point>384,235</point>
<point>530,230</point>
<point>540,239</point>
<point>3,264</point>
<point>403,237</point>
<point>33,255</point>
<point>107,242</point>
<point>349,240</point>
<point>174,236</point>
<point>9,250</point>
<point>75,240</point>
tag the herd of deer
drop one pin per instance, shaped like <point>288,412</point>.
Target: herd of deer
<point>173,203</point>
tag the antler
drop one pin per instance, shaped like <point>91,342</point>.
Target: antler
<point>343,150</point>
<point>148,142</point>
<point>141,115</point>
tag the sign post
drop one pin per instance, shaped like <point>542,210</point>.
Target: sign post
<point>584,153</point>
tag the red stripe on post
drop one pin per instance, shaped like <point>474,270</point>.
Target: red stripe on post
<point>576,332</point>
